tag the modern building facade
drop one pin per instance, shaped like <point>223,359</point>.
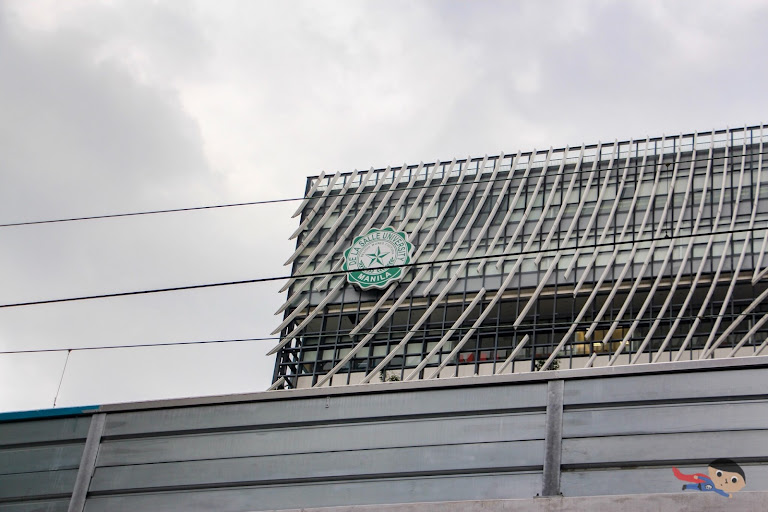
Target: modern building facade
<point>619,253</point>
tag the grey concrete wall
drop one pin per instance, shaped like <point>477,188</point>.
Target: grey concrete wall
<point>593,434</point>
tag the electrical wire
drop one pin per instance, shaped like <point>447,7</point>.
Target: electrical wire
<point>142,345</point>
<point>347,194</point>
<point>342,272</point>
<point>61,379</point>
<point>480,329</point>
<point>149,212</point>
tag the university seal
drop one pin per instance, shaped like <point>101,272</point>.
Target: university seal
<point>373,259</point>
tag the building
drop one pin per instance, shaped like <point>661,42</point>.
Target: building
<point>608,297</point>
<point>632,252</point>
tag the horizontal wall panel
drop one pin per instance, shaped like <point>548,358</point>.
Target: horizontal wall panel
<point>44,431</point>
<point>36,506</point>
<point>659,419</point>
<point>648,481</point>
<point>627,450</point>
<point>40,458</point>
<point>405,490</point>
<point>664,386</point>
<point>357,436</point>
<point>347,465</point>
<point>336,408</point>
<point>43,483</point>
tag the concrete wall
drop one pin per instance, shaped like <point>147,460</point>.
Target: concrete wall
<point>583,433</point>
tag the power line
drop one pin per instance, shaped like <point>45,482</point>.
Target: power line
<point>346,194</point>
<point>480,329</point>
<point>142,345</point>
<point>149,212</point>
<point>342,272</point>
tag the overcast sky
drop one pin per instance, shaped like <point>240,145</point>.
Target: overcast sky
<point>132,105</point>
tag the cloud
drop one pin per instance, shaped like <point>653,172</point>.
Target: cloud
<point>85,134</point>
<point>130,105</point>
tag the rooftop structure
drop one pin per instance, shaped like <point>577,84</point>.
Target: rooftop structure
<point>607,254</point>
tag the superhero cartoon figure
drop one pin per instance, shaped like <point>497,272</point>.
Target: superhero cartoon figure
<point>723,477</point>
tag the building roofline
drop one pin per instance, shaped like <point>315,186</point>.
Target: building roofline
<point>586,147</point>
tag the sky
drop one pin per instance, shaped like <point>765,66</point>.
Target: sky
<point>122,106</point>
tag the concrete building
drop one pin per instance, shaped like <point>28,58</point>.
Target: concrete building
<point>607,254</point>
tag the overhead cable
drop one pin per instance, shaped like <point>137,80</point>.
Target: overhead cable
<point>142,345</point>
<point>290,199</point>
<point>482,328</point>
<point>342,272</point>
<point>149,212</point>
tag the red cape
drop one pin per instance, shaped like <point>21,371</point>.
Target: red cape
<point>696,478</point>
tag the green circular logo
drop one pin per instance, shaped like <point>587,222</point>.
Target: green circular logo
<point>372,260</point>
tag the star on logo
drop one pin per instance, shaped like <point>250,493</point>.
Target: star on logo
<point>377,257</point>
